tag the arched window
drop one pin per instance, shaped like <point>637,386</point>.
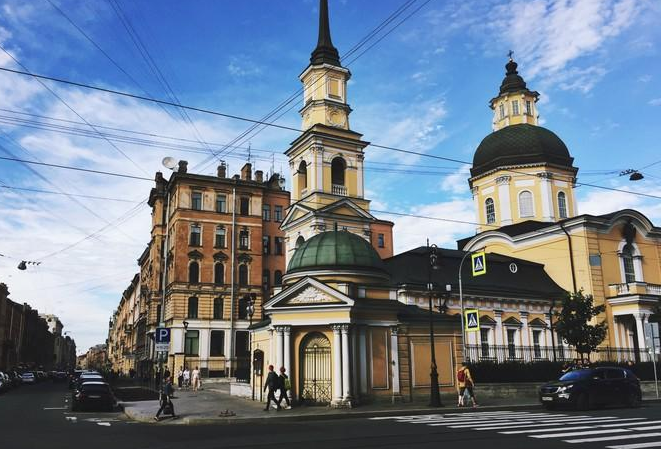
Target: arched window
<point>628,263</point>
<point>277,278</point>
<point>219,273</point>
<point>299,241</point>
<point>525,204</point>
<point>302,175</point>
<point>194,272</point>
<point>243,275</point>
<point>338,166</point>
<point>192,307</point>
<point>562,205</point>
<point>490,211</point>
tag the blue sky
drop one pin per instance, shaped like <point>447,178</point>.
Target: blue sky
<point>424,87</point>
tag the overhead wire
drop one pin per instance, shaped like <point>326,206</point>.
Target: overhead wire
<point>92,197</point>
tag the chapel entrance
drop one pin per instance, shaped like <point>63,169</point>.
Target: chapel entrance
<point>316,369</point>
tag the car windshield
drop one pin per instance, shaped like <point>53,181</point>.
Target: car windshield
<point>92,389</point>
<point>28,375</point>
<point>578,374</point>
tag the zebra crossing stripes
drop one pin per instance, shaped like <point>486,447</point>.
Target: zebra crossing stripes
<point>571,429</point>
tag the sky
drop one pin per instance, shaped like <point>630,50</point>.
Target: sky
<point>421,81</point>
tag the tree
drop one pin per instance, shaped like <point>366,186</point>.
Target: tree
<point>573,323</point>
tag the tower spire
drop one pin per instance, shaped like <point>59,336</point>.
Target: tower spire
<point>325,53</point>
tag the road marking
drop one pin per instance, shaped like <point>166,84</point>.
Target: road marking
<point>636,445</point>
<point>560,429</point>
<point>578,434</point>
<point>480,426</point>
<point>646,428</point>
<point>55,408</point>
<point>105,424</point>
<point>614,437</point>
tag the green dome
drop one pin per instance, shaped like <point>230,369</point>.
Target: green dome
<point>520,144</point>
<point>335,249</point>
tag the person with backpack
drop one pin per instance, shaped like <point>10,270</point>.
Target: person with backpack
<point>283,386</point>
<point>272,383</point>
<point>465,384</point>
<point>166,405</point>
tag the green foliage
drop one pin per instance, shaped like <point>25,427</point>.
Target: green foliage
<point>573,322</point>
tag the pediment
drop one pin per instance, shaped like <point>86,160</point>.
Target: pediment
<point>195,254</point>
<point>308,292</point>
<point>244,258</point>
<point>347,207</point>
<point>220,256</point>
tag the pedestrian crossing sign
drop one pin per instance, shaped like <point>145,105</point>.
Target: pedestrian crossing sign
<point>479,263</point>
<point>472,320</point>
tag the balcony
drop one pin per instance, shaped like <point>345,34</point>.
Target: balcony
<point>634,288</point>
<point>339,190</point>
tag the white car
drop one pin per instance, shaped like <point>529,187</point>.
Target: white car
<point>28,378</point>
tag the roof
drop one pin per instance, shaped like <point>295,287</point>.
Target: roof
<point>529,280</point>
<point>325,52</point>
<point>520,144</point>
<point>333,250</point>
<point>513,82</point>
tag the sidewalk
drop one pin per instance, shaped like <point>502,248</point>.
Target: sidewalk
<point>208,405</point>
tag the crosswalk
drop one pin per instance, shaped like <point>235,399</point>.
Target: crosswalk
<point>612,431</point>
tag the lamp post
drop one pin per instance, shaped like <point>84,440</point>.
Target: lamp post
<point>461,303</point>
<point>185,323</point>
<point>251,311</point>
<point>434,394</point>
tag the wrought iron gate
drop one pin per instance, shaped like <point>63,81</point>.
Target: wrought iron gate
<point>316,372</point>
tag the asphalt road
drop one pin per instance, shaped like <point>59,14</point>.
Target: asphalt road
<point>35,417</point>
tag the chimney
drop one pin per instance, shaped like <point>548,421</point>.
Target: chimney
<point>259,176</point>
<point>246,172</point>
<point>222,170</point>
<point>183,166</point>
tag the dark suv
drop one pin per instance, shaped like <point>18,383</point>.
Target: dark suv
<point>591,387</point>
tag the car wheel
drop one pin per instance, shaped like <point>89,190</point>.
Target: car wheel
<point>583,402</point>
<point>633,400</point>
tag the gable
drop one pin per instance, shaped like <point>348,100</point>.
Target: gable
<point>346,207</point>
<point>308,293</point>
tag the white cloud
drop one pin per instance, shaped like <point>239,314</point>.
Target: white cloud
<point>654,102</point>
<point>457,181</point>
<point>645,78</point>
<point>243,66</point>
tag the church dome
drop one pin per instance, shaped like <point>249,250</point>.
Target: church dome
<point>517,145</point>
<point>333,250</point>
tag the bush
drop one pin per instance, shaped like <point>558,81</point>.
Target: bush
<point>542,371</point>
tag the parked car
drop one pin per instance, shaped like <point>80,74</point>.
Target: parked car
<point>84,378</point>
<point>588,388</point>
<point>5,384</point>
<point>73,377</point>
<point>28,378</point>
<point>93,396</point>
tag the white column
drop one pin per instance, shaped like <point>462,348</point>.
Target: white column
<point>278,347</point>
<point>204,348</point>
<point>362,351</point>
<point>616,331</point>
<point>498,316</point>
<point>337,363</point>
<point>504,201</point>
<point>394,355</point>
<point>318,155</point>
<point>346,366</point>
<point>548,342</point>
<point>355,380</point>
<point>641,319</point>
<point>525,335</point>
<point>548,209</point>
<point>287,349</point>
<point>360,183</point>
<point>478,208</point>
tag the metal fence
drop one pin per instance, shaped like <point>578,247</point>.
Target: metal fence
<point>513,353</point>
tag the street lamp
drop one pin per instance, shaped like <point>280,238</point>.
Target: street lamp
<point>185,323</point>
<point>435,396</point>
<point>251,311</point>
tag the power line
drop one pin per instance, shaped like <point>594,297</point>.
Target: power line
<point>68,167</point>
<point>68,194</point>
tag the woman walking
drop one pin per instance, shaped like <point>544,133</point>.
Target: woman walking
<point>196,379</point>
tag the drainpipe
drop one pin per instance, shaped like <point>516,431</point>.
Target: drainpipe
<point>232,278</point>
<point>571,256</point>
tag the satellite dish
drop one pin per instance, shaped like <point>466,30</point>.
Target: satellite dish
<point>169,162</point>
<point>281,182</point>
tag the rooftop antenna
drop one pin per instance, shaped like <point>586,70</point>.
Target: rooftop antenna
<point>272,163</point>
<point>249,145</point>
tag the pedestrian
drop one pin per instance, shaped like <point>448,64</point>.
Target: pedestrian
<point>186,378</point>
<point>196,379</point>
<point>165,400</point>
<point>180,377</point>
<point>284,386</point>
<point>272,382</point>
<point>465,383</point>
<point>167,373</point>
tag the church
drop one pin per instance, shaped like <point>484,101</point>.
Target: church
<point>354,323</point>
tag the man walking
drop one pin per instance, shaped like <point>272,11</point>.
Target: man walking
<point>465,383</point>
<point>272,382</point>
<point>166,405</point>
<point>283,386</point>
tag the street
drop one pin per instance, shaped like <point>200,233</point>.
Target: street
<point>38,417</point>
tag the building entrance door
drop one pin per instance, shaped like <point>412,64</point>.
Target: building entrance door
<point>316,369</point>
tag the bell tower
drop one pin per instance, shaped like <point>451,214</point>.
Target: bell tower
<point>515,103</point>
<point>326,160</point>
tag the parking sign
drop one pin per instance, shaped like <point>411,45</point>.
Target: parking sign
<point>162,340</point>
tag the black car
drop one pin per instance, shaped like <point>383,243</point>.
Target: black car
<point>85,377</point>
<point>93,396</point>
<point>592,387</point>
